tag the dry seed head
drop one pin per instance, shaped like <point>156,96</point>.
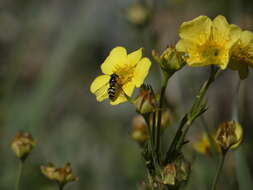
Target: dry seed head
<point>229,135</point>
<point>177,172</point>
<point>22,145</point>
<point>61,175</point>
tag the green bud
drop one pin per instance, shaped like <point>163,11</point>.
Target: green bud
<point>170,61</point>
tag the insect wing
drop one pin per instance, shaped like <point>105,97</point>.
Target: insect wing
<point>102,92</point>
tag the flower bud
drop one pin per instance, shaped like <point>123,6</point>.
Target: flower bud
<point>229,135</point>
<point>60,175</point>
<point>170,61</point>
<point>145,101</point>
<point>22,145</point>
<point>138,14</point>
<point>177,172</point>
<point>139,130</point>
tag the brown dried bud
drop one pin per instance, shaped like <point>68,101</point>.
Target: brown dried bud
<point>22,145</point>
<point>229,135</point>
<point>61,175</point>
<point>176,173</point>
<point>146,100</point>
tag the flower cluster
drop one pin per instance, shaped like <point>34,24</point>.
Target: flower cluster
<point>203,42</point>
<point>216,42</point>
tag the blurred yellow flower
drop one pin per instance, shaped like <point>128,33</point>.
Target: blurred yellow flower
<point>207,42</point>
<point>122,72</point>
<point>139,130</point>
<point>242,54</point>
<point>204,145</point>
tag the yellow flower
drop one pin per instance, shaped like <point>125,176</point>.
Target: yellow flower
<point>242,54</point>
<point>129,71</point>
<point>207,42</point>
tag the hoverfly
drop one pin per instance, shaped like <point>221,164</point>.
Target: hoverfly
<point>110,89</point>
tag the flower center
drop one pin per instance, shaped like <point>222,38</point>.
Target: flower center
<point>125,74</point>
<point>210,52</point>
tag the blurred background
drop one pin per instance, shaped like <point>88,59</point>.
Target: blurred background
<point>51,51</point>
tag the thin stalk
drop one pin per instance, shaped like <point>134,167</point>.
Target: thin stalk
<point>151,143</point>
<point>60,186</point>
<point>161,100</point>
<point>218,172</point>
<point>196,110</point>
<point>153,127</point>
<point>20,170</point>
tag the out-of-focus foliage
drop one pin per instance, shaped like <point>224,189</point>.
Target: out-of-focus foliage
<point>50,51</point>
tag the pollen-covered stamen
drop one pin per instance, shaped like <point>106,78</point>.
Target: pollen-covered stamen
<point>125,73</point>
<point>210,50</point>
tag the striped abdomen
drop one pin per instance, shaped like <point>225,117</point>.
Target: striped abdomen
<point>112,90</point>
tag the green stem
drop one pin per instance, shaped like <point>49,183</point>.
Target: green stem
<point>60,186</point>
<point>20,169</point>
<point>151,142</point>
<point>153,127</point>
<point>218,172</point>
<point>161,100</point>
<point>196,110</point>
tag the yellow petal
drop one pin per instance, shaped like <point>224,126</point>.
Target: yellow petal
<point>197,30</point>
<point>223,59</point>
<point>246,38</point>
<point>100,86</point>
<point>235,34</point>
<point>224,33</point>
<point>239,135</point>
<point>221,29</point>
<point>185,46</point>
<point>128,88</point>
<point>116,58</point>
<point>120,99</point>
<point>141,71</point>
<point>134,57</point>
